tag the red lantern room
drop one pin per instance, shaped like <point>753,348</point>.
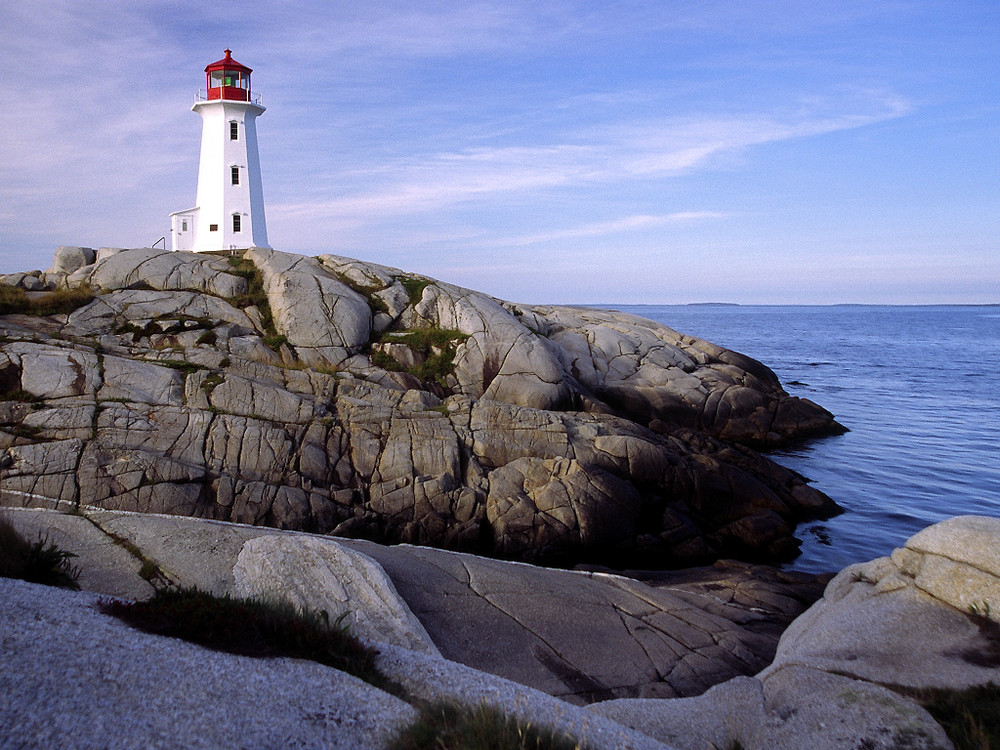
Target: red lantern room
<point>228,79</point>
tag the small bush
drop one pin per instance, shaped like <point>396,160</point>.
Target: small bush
<point>252,628</point>
<point>274,341</point>
<point>177,364</point>
<point>12,300</point>
<point>450,726</point>
<point>38,562</point>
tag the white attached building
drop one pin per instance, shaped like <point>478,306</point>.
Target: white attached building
<point>230,203</point>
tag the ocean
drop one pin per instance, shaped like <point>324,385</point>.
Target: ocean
<point>918,388</point>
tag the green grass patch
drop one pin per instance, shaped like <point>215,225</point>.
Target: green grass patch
<point>274,341</point>
<point>437,345</point>
<point>414,286</point>
<point>451,726</point>
<point>37,562</point>
<point>970,717</point>
<point>255,296</point>
<point>59,302</point>
<point>211,381</point>
<point>177,364</point>
<point>251,627</point>
<point>19,394</point>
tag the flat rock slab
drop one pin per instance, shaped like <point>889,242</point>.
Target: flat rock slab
<point>191,552</point>
<point>103,564</point>
<point>73,677</point>
<point>316,573</point>
<point>582,636</point>
<point>436,679</point>
<point>794,708</point>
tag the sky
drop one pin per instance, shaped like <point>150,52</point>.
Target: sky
<point>610,152</point>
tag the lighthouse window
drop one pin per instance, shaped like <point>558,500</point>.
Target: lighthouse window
<point>236,222</point>
<point>236,175</point>
<point>213,227</point>
<point>234,131</point>
<point>184,225</point>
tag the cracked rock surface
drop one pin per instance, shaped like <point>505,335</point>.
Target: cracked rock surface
<point>333,395</point>
<point>581,636</point>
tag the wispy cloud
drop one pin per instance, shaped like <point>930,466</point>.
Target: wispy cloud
<point>614,153</point>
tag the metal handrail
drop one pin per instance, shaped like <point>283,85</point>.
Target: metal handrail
<point>201,95</point>
<point>163,240</point>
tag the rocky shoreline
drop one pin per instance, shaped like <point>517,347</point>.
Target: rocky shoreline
<point>335,396</point>
<point>601,657</point>
<point>356,439</point>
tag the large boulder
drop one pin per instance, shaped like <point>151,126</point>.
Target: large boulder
<point>68,259</point>
<point>503,630</point>
<point>925,617</point>
<point>675,635</point>
<point>456,419</point>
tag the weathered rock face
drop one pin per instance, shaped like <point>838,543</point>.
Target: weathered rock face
<point>925,617</point>
<point>189,386</point>
<point>501,631</point>
<point>580,636</point>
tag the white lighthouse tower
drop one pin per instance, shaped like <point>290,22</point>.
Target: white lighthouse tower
<point>230,203</point>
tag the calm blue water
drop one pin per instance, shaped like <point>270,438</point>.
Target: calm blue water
<point>919,389</point>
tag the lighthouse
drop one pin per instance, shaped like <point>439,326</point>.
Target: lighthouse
<point>229,214</point>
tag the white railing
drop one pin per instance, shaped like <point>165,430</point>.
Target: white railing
<point>202,96</point>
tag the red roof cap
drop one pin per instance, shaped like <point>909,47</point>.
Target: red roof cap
<point>227,63</point>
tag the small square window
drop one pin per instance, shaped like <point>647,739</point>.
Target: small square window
<point>237,221</point>
<point>235,172</point>
<point>234,131</point>
<point>213,227</point>
<point>184,225</point>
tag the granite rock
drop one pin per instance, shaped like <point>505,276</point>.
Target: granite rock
<point>497,428</point>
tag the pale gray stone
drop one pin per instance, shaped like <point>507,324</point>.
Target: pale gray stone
<point>319,574</point>
<point>52,372</point>
<point>115,686</point>
<point>143,382</point>
<point>100,562</point>
<point>311,307</point>
<point>894,635</point>
<point>165,270</point>
<point>68,259</point>
<point>823,711</point>
<point>730,712</point>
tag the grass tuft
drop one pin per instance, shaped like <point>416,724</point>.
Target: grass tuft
<point>414,286</point>
<point>451,726</point>
<point>970,717</point>
<point>19,394</point>
<point>438,345</point>
<point>59,302</point>
<point>38,562</point>
<point>252,628</point>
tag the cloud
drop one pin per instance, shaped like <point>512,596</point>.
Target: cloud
<point>614,153</point>
<point>617,226</point>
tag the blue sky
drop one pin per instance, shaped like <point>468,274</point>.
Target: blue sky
<point>601,152</point>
